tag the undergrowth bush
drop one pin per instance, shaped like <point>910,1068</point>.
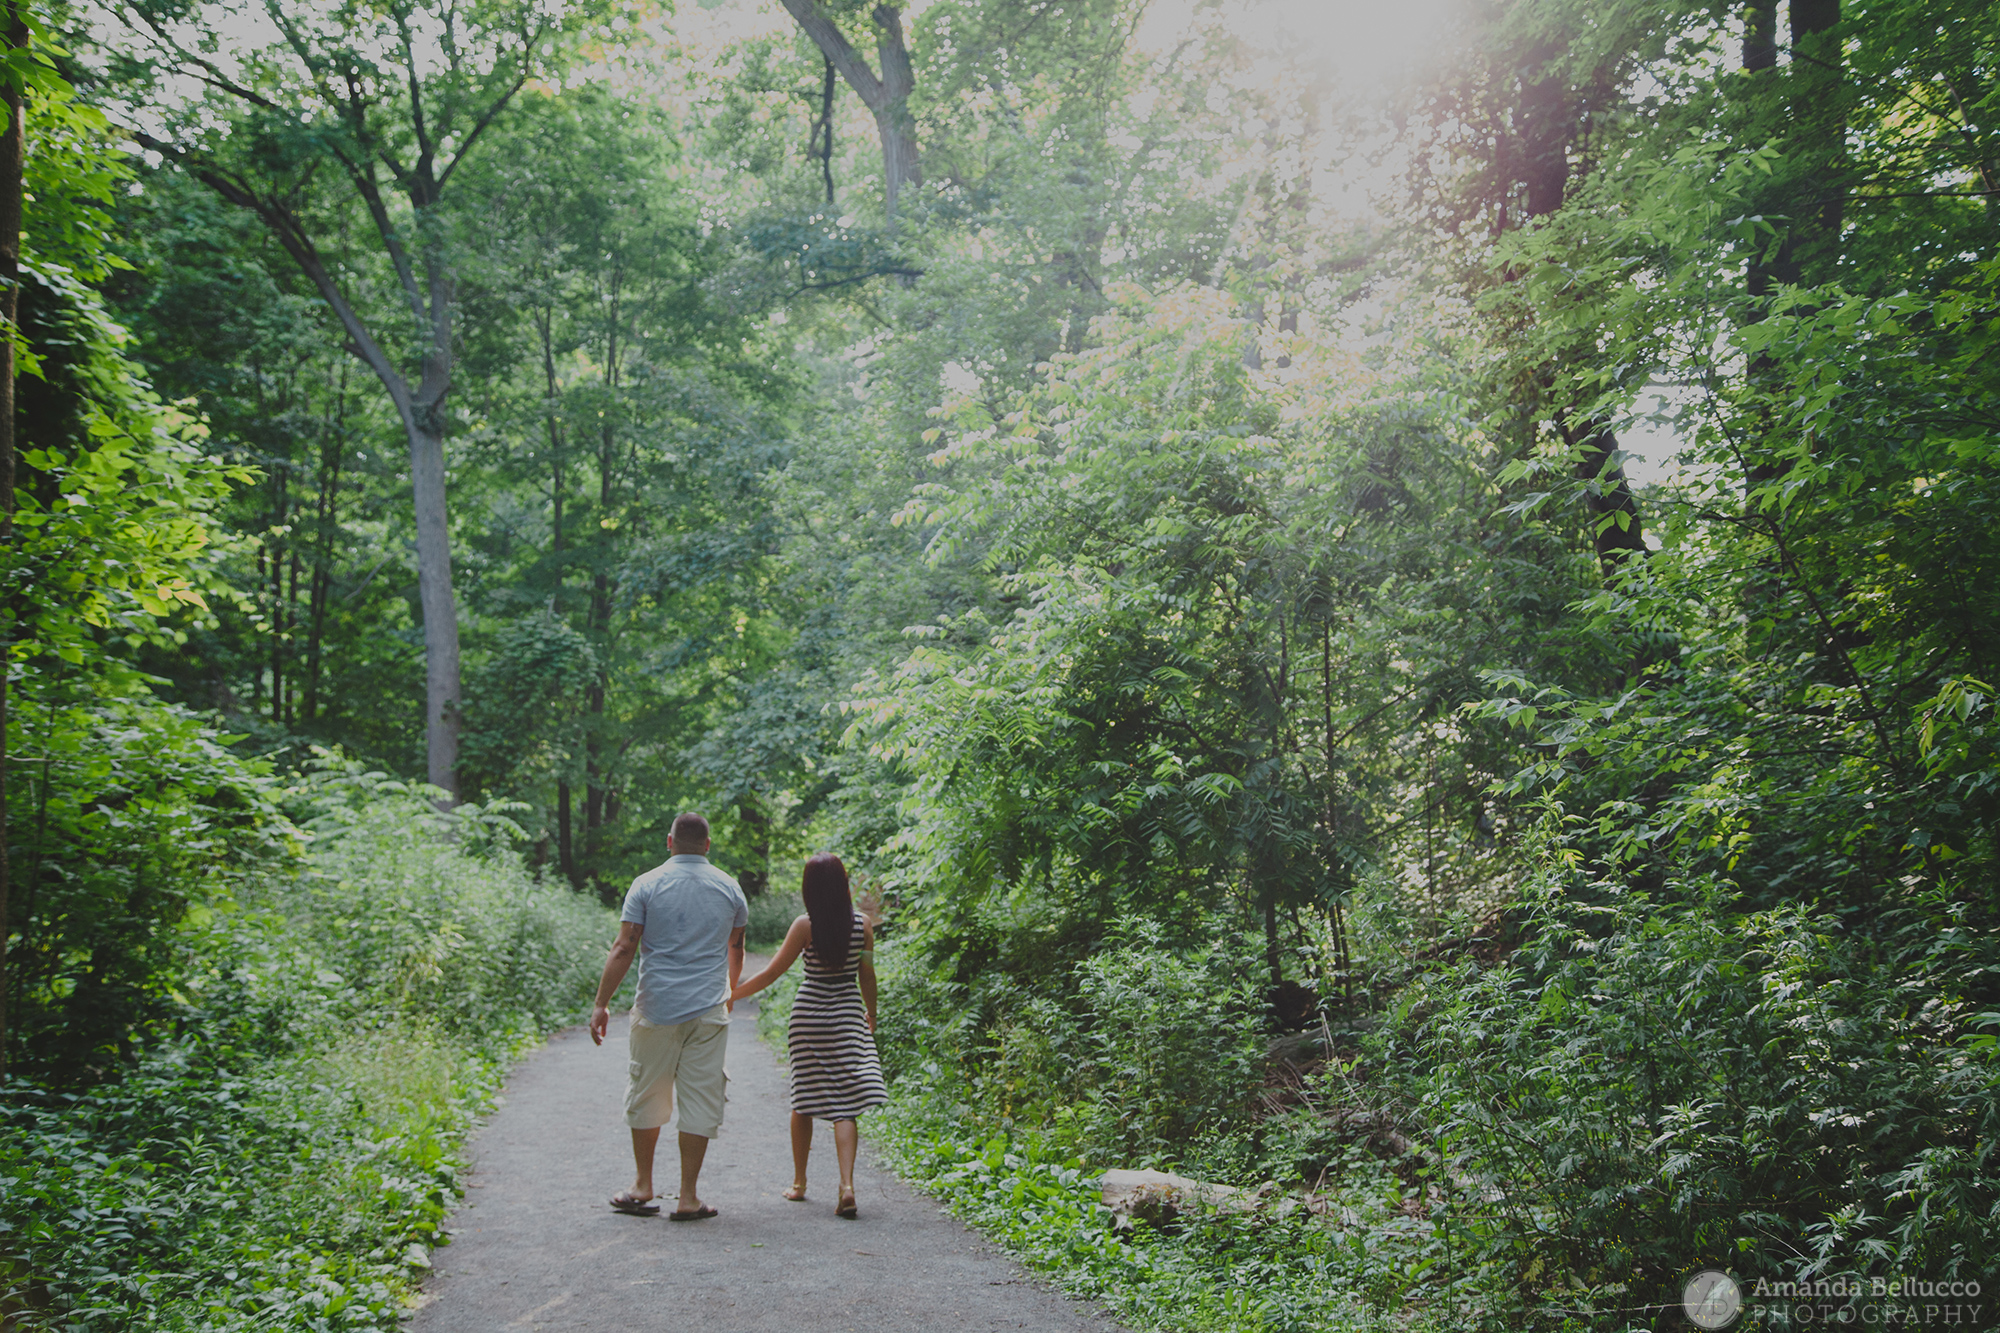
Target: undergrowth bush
<point>771,915</point>
<point>1653,1088</point>
<point>129,820</point>
<point>1009,1103</point>
<point>422,913</point>
<point>1340,1267</point>
<point>1139,1055</point>
<point>286,1158</point>
<point>1553,1139</point>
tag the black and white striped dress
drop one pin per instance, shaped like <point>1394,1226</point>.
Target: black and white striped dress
<point>836,1074</point>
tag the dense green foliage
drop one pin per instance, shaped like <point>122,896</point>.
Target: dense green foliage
<point>139,818</point>
<point>282,1151</point>
<point>1257,1270</point>
<point>1292,741</point>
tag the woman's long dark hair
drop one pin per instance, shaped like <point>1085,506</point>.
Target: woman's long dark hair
<point>831,908</point>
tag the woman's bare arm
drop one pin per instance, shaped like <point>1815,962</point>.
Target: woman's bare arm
<point>796,940</point>
<point>867,977</point>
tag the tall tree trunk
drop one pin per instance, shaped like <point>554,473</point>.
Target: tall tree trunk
<point>597,801</point>
<point>1768,260</point>
<point>1332,748</point>
<point>332,448</point>
<point>565,841</point>
<point>1615,533</point>
<point>291,650</point>
<point>257,675</point>
<point>358,104</point>
<point>1760,56</point>
<point>441,691</point>
<point>279,497</point>
<point>755,876</point>
<point>1819,111</point>
<point>1809,118</point>
<point>543,326</point>
<point>901,167</point>
<point>886,95</point>
<point>565,834</point>
<point>1807,114</point>
<point>1760,36</point>
<point>426,419</point>
<point>419,407</point>
<point>821,143</point>
<point>13,159</point>
<point>1549,129</point>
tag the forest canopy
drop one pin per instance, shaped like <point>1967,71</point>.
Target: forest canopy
<point>1392,603</point>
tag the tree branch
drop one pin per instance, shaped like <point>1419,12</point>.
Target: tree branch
<point>898,79</point>
<point>212,74</point>
<point>859,277</point>
<point>833,44</point>
<point>426,153</point>
<point>298,243</point>
<point>1925,194</point>
<point>315,67</point>
<point>385,226</point>
<point>479,128</point>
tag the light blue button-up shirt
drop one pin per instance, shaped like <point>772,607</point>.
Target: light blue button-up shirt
<point>686,910</point>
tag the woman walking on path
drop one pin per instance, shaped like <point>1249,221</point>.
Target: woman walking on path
<point>836,1074</point>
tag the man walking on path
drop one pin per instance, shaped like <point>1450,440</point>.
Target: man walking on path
<point>684,920</point>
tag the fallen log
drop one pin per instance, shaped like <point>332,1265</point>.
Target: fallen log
<point>1159,1197</point>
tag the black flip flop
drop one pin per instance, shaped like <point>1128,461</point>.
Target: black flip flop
<point>692,1215</point>
<point>634,1207</point>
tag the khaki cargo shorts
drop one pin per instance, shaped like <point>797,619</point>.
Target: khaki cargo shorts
<point>678,1058</point>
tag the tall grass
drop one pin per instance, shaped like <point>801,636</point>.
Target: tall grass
<point>286,1159</point>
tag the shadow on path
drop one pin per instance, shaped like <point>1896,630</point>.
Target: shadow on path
<point>535,1247</point>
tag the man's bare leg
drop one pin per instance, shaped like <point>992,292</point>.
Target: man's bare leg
<point>693,1149</point>
<point>644,1141</point>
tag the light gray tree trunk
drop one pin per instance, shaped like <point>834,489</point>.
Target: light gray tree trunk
<point>441,132</point>
<point>424,419</point>
<point>900,165</point>
<point>434,591</point>
<point>421,411</point>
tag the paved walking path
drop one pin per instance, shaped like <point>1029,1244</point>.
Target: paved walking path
<point>534,1246</point>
